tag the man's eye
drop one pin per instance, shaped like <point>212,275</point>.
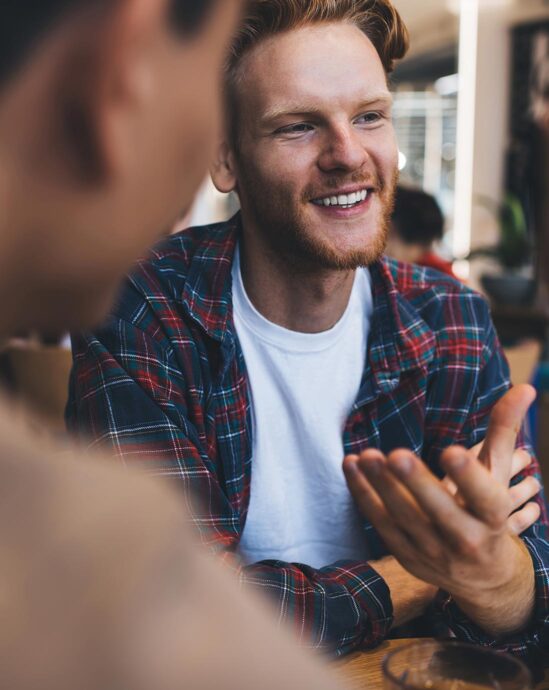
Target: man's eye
<point>372,118</point>
<point>298,128</point>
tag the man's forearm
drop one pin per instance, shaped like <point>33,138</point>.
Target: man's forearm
<point>410,596</point>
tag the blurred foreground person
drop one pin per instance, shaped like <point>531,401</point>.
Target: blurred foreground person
<point>246,359</point>
<point>107,114</point>
<point>416,224</point>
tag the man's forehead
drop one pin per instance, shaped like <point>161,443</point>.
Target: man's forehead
<point>311,64</point>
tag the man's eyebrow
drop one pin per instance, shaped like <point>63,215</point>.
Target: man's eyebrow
<point>289,109</point>
<point>383,98</point>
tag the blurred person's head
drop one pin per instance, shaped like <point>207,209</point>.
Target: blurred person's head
<point>108,113</point>
<point>309,143</point>
<point>416,224</point>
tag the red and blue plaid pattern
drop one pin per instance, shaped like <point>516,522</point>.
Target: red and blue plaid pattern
<point>164,384</point>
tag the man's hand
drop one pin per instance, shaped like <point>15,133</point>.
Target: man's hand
<point>524,511</point>
<point>506,420</point>
<point>508,414</point>
<point>461,543</point>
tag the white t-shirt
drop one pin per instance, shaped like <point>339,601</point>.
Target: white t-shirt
<point>303,387</point>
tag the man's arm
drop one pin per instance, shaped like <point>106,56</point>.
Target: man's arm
<point>129,396</point>
<point>410,595</point>
<point>461,543</point>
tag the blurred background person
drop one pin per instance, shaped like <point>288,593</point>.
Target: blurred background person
<point>107,115</point>
<point>417,224</point>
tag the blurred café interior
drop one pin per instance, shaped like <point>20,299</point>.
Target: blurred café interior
<point>469,100</point>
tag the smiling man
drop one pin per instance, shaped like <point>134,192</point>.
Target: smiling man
<point>246,359</point>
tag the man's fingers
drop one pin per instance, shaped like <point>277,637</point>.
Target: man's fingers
<point>449,485</point>
<point>447,517</point>
<point>524,518</point>
<point>505,422</point>
<point>399,502</point>
<point>481,493</point>
<point>523,491</point>
<point>521,460</point>
<point>365,498</point>
<point>370,504</point>
<point>475,450</point>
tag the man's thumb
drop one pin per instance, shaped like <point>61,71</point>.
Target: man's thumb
<point>506,420</point>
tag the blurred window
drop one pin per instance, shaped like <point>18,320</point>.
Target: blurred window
<point>425,89</point>
<point>425,122</point>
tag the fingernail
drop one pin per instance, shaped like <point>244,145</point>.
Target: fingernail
<point>403,464</point>
<point>456,461</point>
<point>373,466</point>
<point>352,468</point>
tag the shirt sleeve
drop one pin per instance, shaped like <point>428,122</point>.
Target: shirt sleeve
<point>128,395</point>
<point>493,381</point>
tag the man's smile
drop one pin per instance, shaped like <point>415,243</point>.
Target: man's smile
<point>344,200</point>
<point>345,203</point>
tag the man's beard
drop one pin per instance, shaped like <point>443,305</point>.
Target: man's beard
<point>290,239</point>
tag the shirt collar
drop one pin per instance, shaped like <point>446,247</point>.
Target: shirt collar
<point>207,290</point>
<point>400,340</point>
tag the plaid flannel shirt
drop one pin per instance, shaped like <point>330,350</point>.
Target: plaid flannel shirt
<point>164,383</point>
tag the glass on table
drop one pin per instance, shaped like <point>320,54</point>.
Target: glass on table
<point>449,665</point>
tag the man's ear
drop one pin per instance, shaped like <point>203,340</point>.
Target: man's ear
<point>223,170</point>
<point>106,82</point>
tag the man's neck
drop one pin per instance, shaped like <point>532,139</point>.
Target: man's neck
<point>307,301</point>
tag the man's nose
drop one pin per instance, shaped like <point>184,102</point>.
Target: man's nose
<point>343,150</point>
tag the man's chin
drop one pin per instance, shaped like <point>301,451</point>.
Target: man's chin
<point>324,257</point>
<point>349,253</point>
<point>358,243</point>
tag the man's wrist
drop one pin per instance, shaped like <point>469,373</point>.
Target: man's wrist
<point>505,606</point>
<point>409,595</point>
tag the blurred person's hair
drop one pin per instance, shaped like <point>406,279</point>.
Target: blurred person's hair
<point>377,19</point>
<point>23,23</point>
<point>417,218</point>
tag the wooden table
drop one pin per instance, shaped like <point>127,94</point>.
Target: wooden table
<point>362,670</point>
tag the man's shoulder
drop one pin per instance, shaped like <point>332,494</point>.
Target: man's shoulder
<point>197,248</point>
<point>437,297</point>
<point>191,265</point>
<point>411,278</point>
<point>415,282</point>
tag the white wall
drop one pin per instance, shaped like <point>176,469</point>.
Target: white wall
<point>493,95</point>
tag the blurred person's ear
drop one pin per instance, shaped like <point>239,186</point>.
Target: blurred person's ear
<point>105,84</point>
<point>84,81</point>
<point>223,170</point>
<point>113,73</point>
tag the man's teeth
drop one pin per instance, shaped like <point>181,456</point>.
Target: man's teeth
<point>343,200</point>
